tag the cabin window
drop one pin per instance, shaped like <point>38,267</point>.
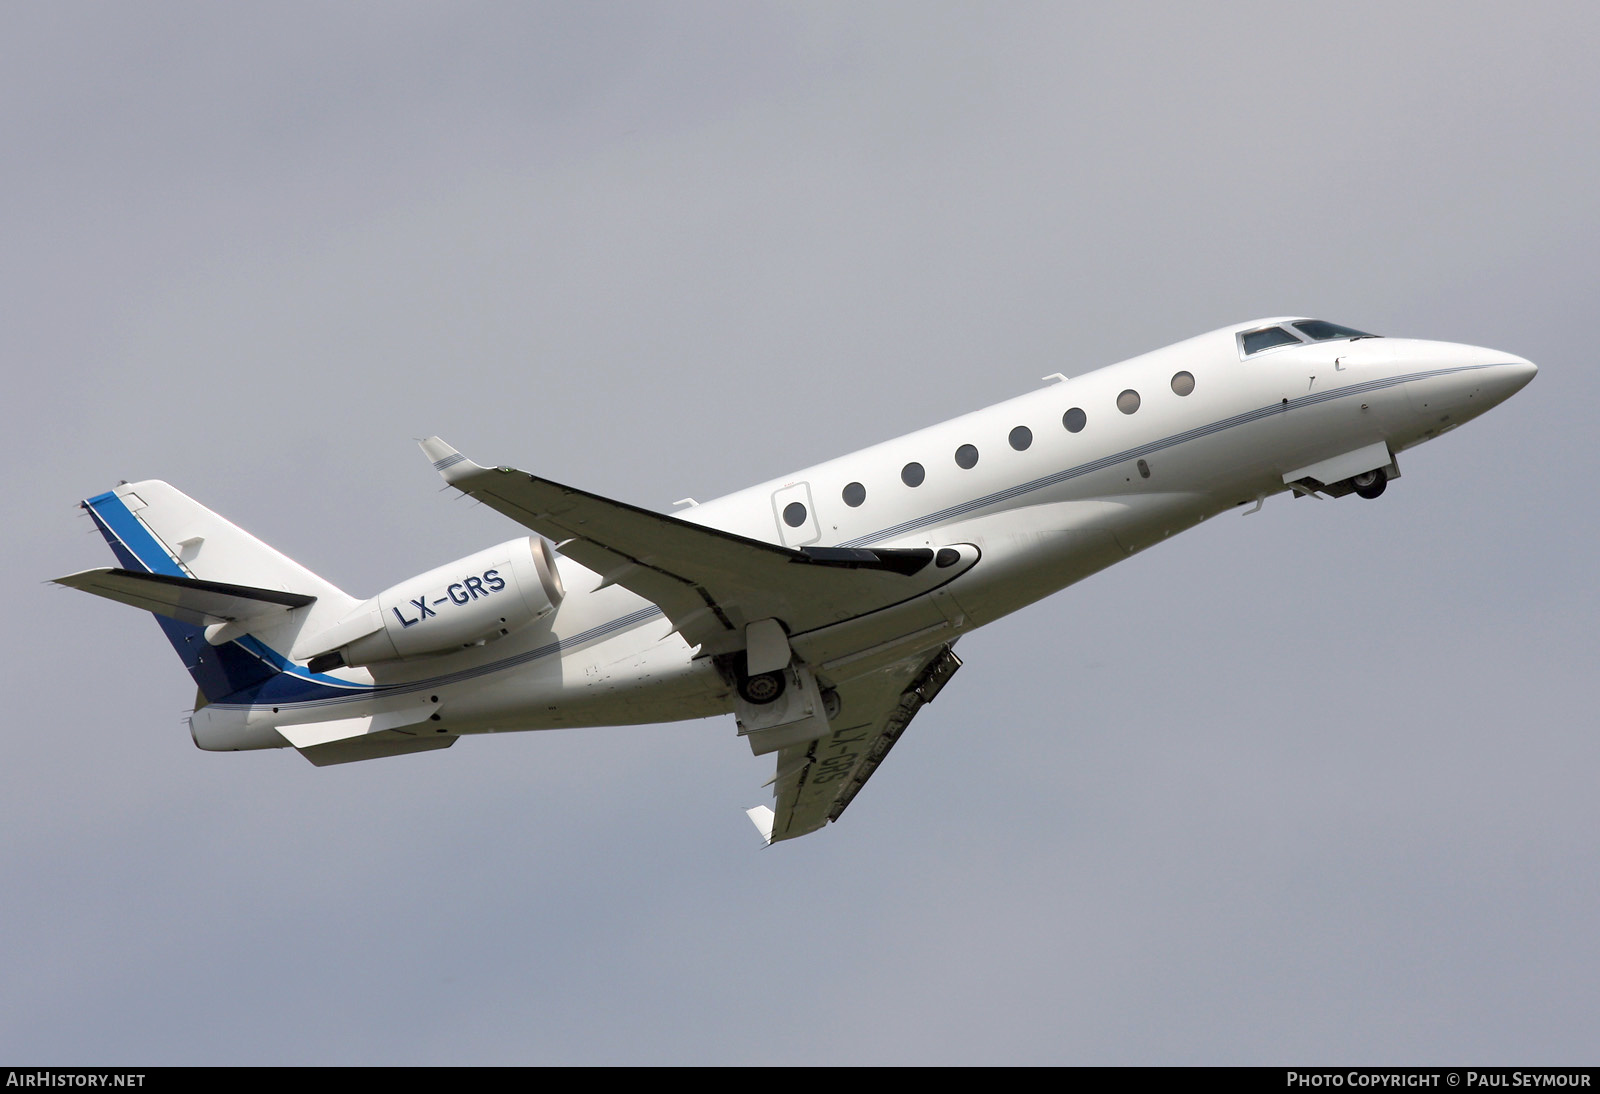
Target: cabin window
<point>1257,340</point>
<point>912,474</point>
<point>1128,401</point>
<point>1183,382</point>
<point>794,514</point>
<point>967,457</point>
<point>1074,420</point>
<point>1020,438</point>
<point>854,494</point>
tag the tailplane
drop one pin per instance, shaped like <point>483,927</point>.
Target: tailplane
<point>226,601</point>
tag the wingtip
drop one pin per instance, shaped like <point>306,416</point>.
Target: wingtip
<point>762,817</point>
<point>446,460</point>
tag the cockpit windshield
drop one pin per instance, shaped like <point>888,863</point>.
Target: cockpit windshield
<point>1257,340</point>
<point>1294,333</point>
<point>1320,330</point>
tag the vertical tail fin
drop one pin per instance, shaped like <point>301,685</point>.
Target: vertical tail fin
<point>155,528</point>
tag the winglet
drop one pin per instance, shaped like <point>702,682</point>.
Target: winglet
<point>447,461</point>
<point>762,818</point>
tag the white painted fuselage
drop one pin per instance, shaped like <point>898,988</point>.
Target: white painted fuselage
<point>1067,480</point>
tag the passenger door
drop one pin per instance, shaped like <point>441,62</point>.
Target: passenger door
<point>795,516</point>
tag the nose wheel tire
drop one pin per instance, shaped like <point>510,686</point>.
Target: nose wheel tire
<point>1370,484</point>
<point>763,688</point>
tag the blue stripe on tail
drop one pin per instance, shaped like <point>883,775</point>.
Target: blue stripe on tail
<point>220,671</point>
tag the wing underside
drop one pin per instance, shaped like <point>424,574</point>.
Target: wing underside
<point>816,781</point>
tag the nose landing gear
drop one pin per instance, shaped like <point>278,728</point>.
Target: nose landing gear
<point>1370,484</point>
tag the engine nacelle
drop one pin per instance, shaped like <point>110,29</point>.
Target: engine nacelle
<point>474,600</point>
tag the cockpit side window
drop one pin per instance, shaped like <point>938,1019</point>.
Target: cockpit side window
<point>1320,330</point>
<point>1255,341</point>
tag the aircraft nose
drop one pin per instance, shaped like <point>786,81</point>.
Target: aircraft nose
<point>1474,380</point>
<point>1511,374</point>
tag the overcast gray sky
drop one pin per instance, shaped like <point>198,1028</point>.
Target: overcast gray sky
<point>1314,786</point>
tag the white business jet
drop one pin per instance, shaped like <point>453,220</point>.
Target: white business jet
<point>819,608</point>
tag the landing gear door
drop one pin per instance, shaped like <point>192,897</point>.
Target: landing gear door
<point>795,515</point>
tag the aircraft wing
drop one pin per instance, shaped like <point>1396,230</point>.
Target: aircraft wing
<point>710,583</point>
<point>817,780</point>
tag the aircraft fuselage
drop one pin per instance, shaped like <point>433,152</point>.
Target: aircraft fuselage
<point>1048,488</point>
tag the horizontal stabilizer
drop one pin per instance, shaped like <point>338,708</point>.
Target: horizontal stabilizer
<point>188,599</point>
<point>367,736</point>
<point>374,746</point>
